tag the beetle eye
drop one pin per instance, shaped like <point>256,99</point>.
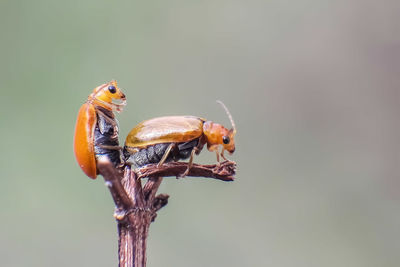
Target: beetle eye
<point>112,89</point>
<point>225,139</point>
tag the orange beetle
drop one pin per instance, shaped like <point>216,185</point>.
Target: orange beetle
<point>169,138</point>
<point>96,129</point>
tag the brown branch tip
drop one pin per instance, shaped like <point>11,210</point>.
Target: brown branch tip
<point>223,171</point>
<point>136,206</point>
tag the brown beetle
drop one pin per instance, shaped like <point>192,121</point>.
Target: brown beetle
<point>174,138</point>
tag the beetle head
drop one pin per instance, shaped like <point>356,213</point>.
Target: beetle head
<point>109,96</point>
<point>228,139</point>
<point>216,134</point>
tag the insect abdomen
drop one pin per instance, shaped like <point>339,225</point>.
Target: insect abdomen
<point>154,153</point>
<point>107,135</point>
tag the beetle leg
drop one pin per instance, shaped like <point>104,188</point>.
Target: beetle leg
<point>190,163</point>
<point>101,122</point>
<point>164,158</point>
<point>105,117</point>
<point>110,121</point>
<point>217,153</point>
<point>110,147</point>
<point>222,154</point>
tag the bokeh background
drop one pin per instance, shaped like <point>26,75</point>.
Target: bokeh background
<point>313,87</point>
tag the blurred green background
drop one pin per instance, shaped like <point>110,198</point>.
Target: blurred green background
<point>312,85</point>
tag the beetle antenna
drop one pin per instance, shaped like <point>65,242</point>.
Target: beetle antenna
<point>229,115</point>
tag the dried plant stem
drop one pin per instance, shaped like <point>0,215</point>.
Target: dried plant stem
<point>136,206</point>
<point>224,171</point>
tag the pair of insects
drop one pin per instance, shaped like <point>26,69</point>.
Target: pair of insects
<point>156,140</point>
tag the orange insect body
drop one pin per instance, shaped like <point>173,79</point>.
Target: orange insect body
<point>90,135</point>
<point>83,139</point>
<point>182,136</point>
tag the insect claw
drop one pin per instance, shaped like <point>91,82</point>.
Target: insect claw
<point>185,173</point>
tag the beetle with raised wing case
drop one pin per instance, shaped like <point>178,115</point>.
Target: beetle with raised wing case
<point>96,129</point>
